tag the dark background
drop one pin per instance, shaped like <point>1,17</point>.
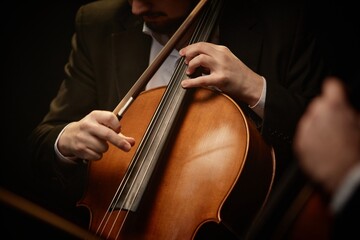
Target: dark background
<point>37,48</point>
<point>39,34</point>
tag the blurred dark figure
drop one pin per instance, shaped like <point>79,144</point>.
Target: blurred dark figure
<point>296,198</point>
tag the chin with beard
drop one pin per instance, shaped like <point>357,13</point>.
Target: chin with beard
<point>169,26</point>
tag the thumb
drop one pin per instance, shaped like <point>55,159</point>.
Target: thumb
<point>334,90</point>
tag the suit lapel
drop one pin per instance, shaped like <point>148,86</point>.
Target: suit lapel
<point>240,24</point>
<point>130,46</point>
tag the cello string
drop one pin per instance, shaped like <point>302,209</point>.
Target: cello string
<point>203,35</point>
<point>180,69</point>
<point>121,188</point>
<point>142,180</point>
<point>172,87</point>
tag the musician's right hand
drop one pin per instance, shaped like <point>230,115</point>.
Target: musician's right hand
<point>89,138</point>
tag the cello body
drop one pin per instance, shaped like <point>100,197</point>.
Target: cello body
<point>216,169</point>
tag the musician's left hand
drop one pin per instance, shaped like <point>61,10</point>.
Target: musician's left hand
<point>223,70</point>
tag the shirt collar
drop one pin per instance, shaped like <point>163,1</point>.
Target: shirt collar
<point>161,38</point>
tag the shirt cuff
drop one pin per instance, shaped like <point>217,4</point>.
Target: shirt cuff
<point>259,106</point>
<point>62,158</point>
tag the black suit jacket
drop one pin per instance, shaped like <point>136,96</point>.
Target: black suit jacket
<point>110,52</point>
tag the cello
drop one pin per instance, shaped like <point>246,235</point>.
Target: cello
<point>182,180</point>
